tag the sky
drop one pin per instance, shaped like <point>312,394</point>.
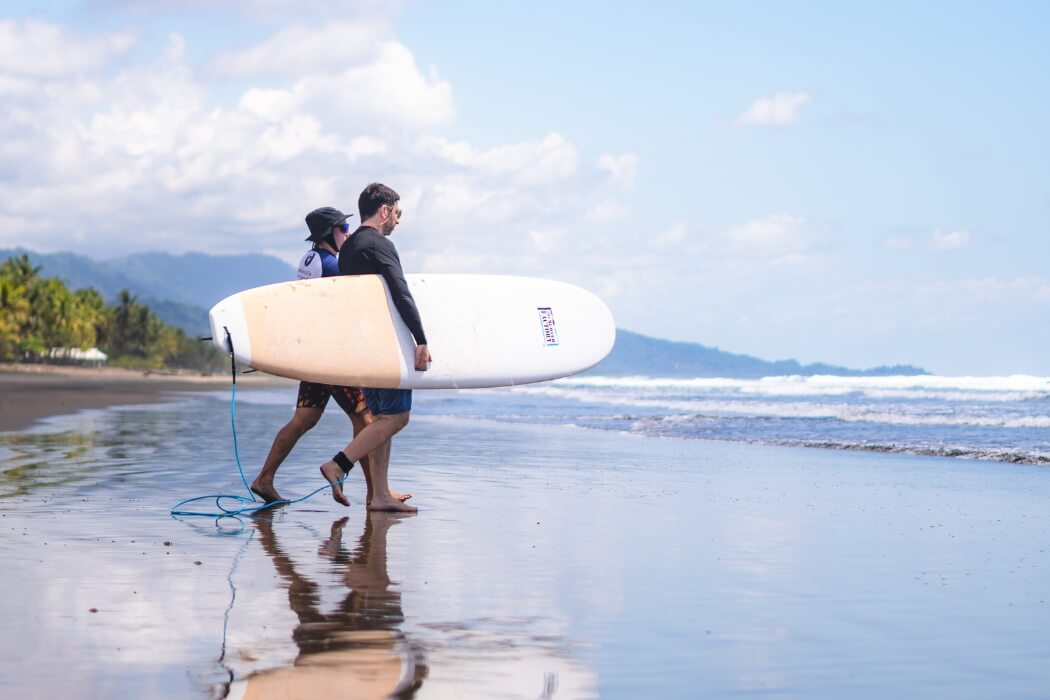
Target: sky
<point>861,184</point>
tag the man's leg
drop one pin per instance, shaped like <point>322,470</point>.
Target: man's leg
<point>302,421</point>
<point>379,431</point>
<point>359,421</point>
<point>383,498</point>
<point>352,400</point>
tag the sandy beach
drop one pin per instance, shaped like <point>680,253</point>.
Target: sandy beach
<point>544,562</point>
<point>31,392</point>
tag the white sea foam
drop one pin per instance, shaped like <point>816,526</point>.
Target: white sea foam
<point>956,451</point>
<point>1009,388</point>
<point>261,397</point>
<point>894,414</point>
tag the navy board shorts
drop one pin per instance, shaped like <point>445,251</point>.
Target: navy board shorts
<point>314,395</point>
<point>388,401</point>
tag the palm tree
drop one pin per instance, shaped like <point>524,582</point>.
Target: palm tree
<point>20,270</point>
<point>14,311</point>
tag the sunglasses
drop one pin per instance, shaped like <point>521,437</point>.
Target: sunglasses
<point>395,212</point>
<point>344,227</point>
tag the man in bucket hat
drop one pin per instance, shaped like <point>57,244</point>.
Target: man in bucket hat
<point>328,231</point>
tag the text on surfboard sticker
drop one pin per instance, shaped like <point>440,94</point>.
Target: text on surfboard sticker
<point>550,333</point>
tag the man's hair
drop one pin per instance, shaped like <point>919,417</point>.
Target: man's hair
<point>373,197</point>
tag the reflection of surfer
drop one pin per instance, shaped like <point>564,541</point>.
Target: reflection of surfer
<point>359,649</point>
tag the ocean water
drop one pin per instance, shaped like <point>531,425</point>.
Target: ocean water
<point>594,560</point>
<point>990,418</point>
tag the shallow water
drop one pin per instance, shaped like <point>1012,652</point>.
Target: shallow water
<point>544,562</point>
<point>990,418</point>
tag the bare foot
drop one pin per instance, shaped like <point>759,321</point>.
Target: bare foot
<point>265,491</point>
<point>391,505</point>
<point>394,494</point>
<point>334,475</point>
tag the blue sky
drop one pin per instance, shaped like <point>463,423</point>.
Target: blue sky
<point>860,185</point>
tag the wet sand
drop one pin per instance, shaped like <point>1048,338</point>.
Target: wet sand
<point>544,562</point>
<point>29,393</point>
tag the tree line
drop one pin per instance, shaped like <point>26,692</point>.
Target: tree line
<point>39,313</point>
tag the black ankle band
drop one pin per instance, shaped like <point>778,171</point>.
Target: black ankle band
<point>343,461</point>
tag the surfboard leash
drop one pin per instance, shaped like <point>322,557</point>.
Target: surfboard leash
<point>252,504</point>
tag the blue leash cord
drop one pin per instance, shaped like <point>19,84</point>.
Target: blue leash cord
<point>252,504</point>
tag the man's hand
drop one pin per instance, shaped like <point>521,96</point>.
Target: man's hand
<point>423,358</point>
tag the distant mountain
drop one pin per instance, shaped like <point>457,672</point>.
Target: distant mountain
<point>192,319</point>
<point>181,288</point>
<point>636,354</point>
<point>194,279</point>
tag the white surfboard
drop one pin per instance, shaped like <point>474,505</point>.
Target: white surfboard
<point>482,330</point>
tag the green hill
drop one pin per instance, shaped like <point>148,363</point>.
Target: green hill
<point>179,289</point>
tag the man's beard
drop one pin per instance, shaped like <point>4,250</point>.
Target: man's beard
<point>388,227</point>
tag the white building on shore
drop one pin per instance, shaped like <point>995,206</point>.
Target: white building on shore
<point>77,356</point>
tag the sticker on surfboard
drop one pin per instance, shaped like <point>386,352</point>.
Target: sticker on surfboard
<point>550,333</point>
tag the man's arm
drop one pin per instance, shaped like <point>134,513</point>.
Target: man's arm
<point>390,268</point>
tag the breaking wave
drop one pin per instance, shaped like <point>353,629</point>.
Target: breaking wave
<point>989,418</point>
<point>1010,388</point>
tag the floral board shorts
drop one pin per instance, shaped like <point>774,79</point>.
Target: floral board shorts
<point>350,398</point>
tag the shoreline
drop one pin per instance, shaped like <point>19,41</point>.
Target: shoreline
<point>31,393</point>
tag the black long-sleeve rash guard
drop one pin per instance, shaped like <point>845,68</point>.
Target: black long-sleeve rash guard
<point>368,252</point>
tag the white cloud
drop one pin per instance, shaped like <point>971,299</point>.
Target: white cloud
<point>622,168</point>
<point>269,104</point>
<point>380,88</point>
<point>771,236</point>
<point>33,48</point>
<point>552,159</point>
<point>387,90</point>
<point>300,50</point>
<point>605,211</point>
<point>779,110</point>
<point>147,143</point>
<point>547,241</point>
<point>671,238</point>
<point>365,146</point>
<point>953,240</point>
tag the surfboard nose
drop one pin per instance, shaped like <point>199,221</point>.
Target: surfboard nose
<point>229,327</point>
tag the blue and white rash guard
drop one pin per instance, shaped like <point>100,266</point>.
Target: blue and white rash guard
<point>318,263</point>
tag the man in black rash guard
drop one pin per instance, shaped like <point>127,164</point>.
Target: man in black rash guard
<point>370,252</point>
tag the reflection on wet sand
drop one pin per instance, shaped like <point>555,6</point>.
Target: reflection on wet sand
<point>357,651</point>
<point>27,459</point>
